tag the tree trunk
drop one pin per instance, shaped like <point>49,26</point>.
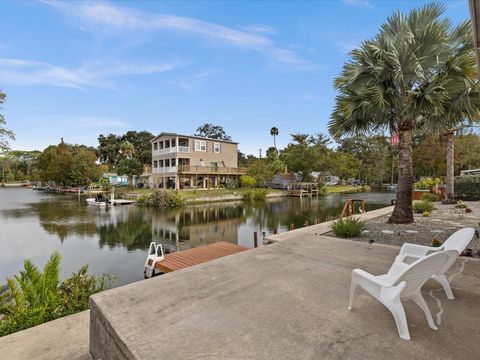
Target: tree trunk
<point>403,211</point>
<point>450,192</point>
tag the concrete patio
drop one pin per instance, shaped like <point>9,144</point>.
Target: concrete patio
<point>287,300</point>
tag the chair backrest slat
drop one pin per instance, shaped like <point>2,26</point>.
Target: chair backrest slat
<point>459,240</point>
<point>421,270</point>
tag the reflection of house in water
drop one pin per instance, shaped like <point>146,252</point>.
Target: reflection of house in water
<point>197,225</point>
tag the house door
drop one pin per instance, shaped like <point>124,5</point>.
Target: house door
<point>214,166</point>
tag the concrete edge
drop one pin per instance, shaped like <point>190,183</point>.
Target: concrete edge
<point>323,228</point>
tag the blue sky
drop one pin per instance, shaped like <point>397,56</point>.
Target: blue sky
<point>78,69</point>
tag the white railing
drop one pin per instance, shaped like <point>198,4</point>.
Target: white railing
<point>165,151</point>
<point>162,170</point>
<point>183,149</point>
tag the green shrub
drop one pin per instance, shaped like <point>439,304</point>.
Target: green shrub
<point>419,207</point>
<point>247,181</point>
<point>255,194</point>
<point>348,227</point>
<point>467,187</point>
<point>34,297</point>
<point>430,197</point>
<point>426,183</point>
<point>322,189</point>
<point>162,199</point>
<point>366,188</point>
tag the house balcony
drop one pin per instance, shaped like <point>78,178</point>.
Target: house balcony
<point>162,170</point>
<point>171,150</point>
<point>217,170</point>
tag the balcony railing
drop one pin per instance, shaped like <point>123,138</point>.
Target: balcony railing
<point>220,170</point>
<point>182,149</point>
<point>162,170</point>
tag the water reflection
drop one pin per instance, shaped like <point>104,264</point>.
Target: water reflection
<point>106,237</point>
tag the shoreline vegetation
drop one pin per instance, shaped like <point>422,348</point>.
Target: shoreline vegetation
<point>34,297</point>
<point>172,198</point>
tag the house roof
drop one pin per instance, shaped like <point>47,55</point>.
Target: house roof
<point>191,137</point>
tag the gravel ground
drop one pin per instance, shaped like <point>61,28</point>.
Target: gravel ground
<point>439,225</point>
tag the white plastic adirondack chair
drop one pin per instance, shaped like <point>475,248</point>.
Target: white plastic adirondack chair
<point>155,254</point>
<point>402,282</point>
<point>457,241</point>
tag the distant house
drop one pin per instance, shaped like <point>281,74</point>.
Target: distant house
<point>115,179</point>
<point>318,176</point>
<point>331,180</point>
<point>193,162</point>
<point>282,180</point>
<point>145,180</point>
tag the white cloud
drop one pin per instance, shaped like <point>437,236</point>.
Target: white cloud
<point>191,82</point>
<point>260,29</point>
<point>362,3</point>
<point>92,74</point>
<point>106,17</point>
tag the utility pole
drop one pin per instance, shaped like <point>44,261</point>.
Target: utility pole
<point>260,153</point>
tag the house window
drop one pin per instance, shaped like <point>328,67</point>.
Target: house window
<point>160,144</point>
<point>167,162</point>
<point>173,143</point>
<point>216,148</point>
<point>173,162</point>
<point>200,145</point>
<point>160,163</point>
<point>155,146</point>
<point>155,164</point>
<point>167,144</point>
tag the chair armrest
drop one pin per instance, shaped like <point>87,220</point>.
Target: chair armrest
<point>418,251</point>
<point>363,275</point>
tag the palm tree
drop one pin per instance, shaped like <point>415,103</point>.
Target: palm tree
<point>402,81</point>
<point>274,132</point>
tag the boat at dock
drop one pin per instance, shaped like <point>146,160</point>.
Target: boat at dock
<point>101,201</point>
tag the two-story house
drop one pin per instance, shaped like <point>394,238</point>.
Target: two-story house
<point>192,162</point>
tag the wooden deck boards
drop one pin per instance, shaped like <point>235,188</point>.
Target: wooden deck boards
<point>195,256</point>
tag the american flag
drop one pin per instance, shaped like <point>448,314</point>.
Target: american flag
<point>394,139</point>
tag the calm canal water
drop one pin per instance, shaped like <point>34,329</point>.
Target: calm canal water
<point>34,224</point>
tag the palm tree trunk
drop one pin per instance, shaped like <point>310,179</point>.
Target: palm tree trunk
<point>450,191</point>
<point>403,211</point>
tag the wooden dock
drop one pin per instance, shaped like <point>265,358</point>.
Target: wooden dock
<point>195,256</point>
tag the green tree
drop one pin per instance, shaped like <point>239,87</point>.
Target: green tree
<point>260,170</point>
<point>344,165</point>
<point>142,145</point>
<point>109,149</point>
<point>307,153</point>
<point>467,148</point>
<point>5,134</point>
<point>399,80</point>
<point>429,156</point>
<point>274,133</point>
<point>212,132</point>
<point>84,167</point>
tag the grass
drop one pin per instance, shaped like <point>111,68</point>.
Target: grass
<point>335,189</point>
